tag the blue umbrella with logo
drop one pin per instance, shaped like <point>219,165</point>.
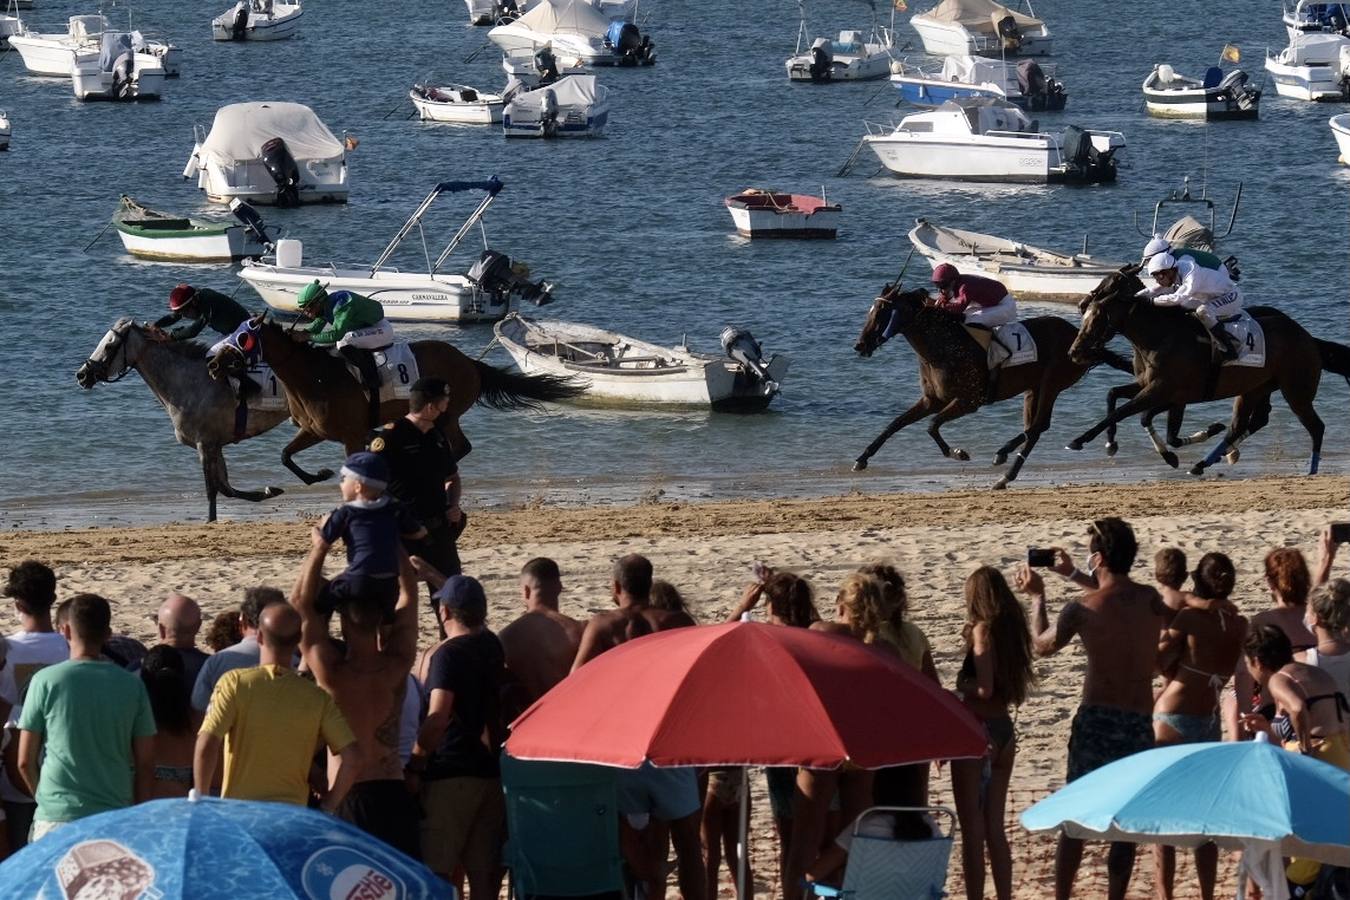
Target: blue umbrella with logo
<point>204,849</point>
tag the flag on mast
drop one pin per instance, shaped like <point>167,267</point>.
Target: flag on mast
<point>901,6</point>
<point>1231,53</point>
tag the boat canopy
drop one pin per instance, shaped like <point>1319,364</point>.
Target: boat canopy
<point>978,15</point>
<point>974,70</point>
<point>240,130</point>
<point>1314,47</point>
<point>574,90</point>
<point>567,16</point>
<point>985,114</point>
<point>116,43</point>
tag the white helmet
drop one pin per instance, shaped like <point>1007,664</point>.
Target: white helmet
<point>1159,244</point>
<point>1161,263</point>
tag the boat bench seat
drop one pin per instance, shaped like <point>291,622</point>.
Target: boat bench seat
<point>623,360</point>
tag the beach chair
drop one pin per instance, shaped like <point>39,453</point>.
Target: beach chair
<point>562,823</point>
<point>885,868</point>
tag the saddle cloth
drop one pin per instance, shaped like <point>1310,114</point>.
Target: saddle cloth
<point>398,371</point>
<point>1250,338</point>
<point>272,394</point>
<point>1012,346</point>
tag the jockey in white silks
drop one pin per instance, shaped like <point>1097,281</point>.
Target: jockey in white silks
<point>1208,293</point>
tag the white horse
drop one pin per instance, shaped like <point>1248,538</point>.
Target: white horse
<point>203,410</point>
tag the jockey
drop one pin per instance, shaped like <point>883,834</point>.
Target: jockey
<point>984,304</point>
<point>1209,293</point>
<point>193,309</point>
<point>1160,244</point>
<point>353,325</point>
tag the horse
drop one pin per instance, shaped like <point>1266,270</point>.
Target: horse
<point>203,410</point>
<point>954,375</point>
<point>1174,366</point>
<point>329,404</point>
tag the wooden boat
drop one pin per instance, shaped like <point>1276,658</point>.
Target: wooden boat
<point>456,103</point>
<point>149,234</point>
<point>624,370</point>
<point>1026,271</point>
<point>1170,94</point>
<point>773,214</point>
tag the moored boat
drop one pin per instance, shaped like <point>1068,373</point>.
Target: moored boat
<point>4,130</point>
<point>53,54</point>
<point>852,57</point>
<point>572,106</point>
<point>1027,271</point>
<point>1028,84</point>
<point>1316,16</point>
<point>981,27</point>
<point>780,215</point>
<point>575,29</point>
<point>120,70</point>
<point>1315,66</point>
<point>456,103</point>
<point>150,234</point>
<point>620,369</point>
<point>257,20</point>
<point>1340,129</point>
<point>1169,94</point>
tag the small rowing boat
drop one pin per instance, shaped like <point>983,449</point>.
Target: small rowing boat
<point>150,234</point>
<point>773,214</point>
<point>1026,271</point>
<point>620,369</point>
<point>456,103</point>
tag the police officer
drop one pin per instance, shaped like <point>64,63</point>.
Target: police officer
<point>423,473</point>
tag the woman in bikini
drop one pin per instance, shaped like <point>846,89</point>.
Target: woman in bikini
<point>1329,616</point>
<point>165,681</point>
<point>1306,713</point>
<point>996,675</point>
<point>1197,653</point>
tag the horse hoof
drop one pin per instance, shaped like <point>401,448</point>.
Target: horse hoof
<point>1074,445</point>
<point>1000,459</point>
<point>1197,469</point>
<point>1171,459</point>
<point>859,464</point>
<point>1000,485</point>
<point>959,454</point>
<point>1232,456</point>
<point>1111,448</point>
<point>270,492</point>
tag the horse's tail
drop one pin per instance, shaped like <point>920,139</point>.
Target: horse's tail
<point>513,390</point>
<point>1335,358</point>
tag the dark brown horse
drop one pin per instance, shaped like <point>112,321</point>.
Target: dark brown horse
<point>328,403</point>
<point>953,373</point>
<point>1173,365</point>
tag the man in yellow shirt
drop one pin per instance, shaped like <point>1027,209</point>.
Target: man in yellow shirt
<point>270,721</point>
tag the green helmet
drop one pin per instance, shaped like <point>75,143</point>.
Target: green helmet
<point>311,294</point>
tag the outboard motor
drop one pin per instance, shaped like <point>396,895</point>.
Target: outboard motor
<point>1043,93</point>
<point>276,157</point>
<point>123,76</point>
<point>1243,93</point>
<point>240,22</point>
<point>252,222</point>
<point>1085,162</point>
<point>548,112</point>
<point>1009,33</point>
<point>822,60</point>
<point>741,346</point>
<point>495,274</point>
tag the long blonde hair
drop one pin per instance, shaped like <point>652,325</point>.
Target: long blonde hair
<point>862,599</point>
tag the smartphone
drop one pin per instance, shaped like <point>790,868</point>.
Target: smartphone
<point>1340,532</point>
<point>761,571</point>
<point>1040,558</point>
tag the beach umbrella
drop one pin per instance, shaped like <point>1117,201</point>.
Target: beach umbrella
<point>205,849</point>
<point>1246,795</point>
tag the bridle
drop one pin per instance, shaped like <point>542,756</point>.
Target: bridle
<point>98,368</point>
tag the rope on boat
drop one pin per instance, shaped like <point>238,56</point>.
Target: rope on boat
<point>488,349</point>
<point>852,158</point>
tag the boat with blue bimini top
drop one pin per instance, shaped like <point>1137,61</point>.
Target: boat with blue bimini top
<point>1316,15</point>
<point>1028,84</point>
<point>575,106</point>
<point>1170,94</point>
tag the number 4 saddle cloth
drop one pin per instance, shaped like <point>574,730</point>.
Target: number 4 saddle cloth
<point>1250,338</point>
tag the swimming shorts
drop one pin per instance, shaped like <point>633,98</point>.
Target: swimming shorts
<point>386,810</point>
<point>782,784</point>
<point>1192,728</point>
<point>726,785</point>
<point>666,794</point>
<point>1104,734</point>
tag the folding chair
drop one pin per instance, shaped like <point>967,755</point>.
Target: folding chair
<point>884,868</point>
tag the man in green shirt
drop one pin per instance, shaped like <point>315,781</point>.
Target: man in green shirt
<point>193,309</point>
<point>96,723</point>
<point>352,325</point>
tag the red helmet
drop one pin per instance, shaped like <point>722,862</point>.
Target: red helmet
<point>945,274</point>
<point>181,296</point>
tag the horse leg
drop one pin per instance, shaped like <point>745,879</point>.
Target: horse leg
<point>908,417</point>
<point>1303,408</point>
<point>953,410</point>
<point>209,476</point>
<point>1260,418</point>
<point>1174,417</point>
<point>1041,407</point>
<point>1237,432</point>
<point>303,441</point>
<point>218,478</point>
<point>454,435</point>
<point>1028,408</point>
<point>1114,396</point>
<point>1174,438</point>
<point>1144,400</point>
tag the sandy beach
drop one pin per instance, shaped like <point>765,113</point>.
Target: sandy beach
<point>706,551</point>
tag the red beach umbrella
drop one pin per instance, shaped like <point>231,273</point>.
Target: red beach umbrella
<point>746,693</point>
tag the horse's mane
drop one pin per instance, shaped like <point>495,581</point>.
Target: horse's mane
<point>188,349</point>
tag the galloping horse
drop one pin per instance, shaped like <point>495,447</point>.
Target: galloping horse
<point>1173,364</point>
<point>953,372</point>
<point>202,409</point>
<point>328,403</point>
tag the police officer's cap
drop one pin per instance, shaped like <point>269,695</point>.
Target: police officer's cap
<point>427,389</point>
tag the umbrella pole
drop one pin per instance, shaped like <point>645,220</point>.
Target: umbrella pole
<point>743,851</point>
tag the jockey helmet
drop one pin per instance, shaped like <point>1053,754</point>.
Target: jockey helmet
<point>1161,263</point>
<point>311,294</point>
<point>181,296</point>
<point>1158,245</point>
<point>945,274</point>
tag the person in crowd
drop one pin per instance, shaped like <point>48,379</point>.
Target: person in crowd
<point>1197,653</point>
<point>996,676</point>
<point>370,524</point>
<point>1118,624</point>
<point>37,644</point>
<point>242,655</point>
<point>720,824</point>
<point>666,597</point>
<point>368,682</point>
<point>631,589</point>
<point>269,720</point>
<point>178,621</point>
<point>541,643</point>
<point>224,631</point>
<point>7,701</point>
<point>1326,557</point>
<point>453,766</point>
<point>164,674</point>
<point>1329,612</point>
<point>94,722</point>
<point>1307,712</point>
<point>1169,571</point>
<point>424,473</point>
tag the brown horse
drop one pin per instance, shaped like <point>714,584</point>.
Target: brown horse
<point>1174,366</point>
<point>953,372</point>
<point>328,403</point>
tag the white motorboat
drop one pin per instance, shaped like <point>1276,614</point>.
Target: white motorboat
<point>257,20</point>
<point>54,54</point>
<point>779,215</point>
<point>495,12</point>
<point>1315,66</point>
<point>1028,84</point>
<point>982,27</point>
<point>456,103</point>
<point>1169,94</point>
<point>482,294</point>
<point>270,153</point>
<point>575,30</point>
<point>149,234</point>
<point>990,140</point>
<point>120,70</point>
<point>852,57</point>
<point>1316,15</point>
<point>1340,129</point>
<point>574,106</point>
<point>619,369</point>
<point>1027,271</point>
<point>4,130</point>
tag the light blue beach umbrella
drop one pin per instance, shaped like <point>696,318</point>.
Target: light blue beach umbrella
<point>204,849</point>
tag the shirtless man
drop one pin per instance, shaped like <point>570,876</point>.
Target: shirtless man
<point>631,588</point>
<point>368,683</point>
<point>540,645</point>
<point>1118,624</point>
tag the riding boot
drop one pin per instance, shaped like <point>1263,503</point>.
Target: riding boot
<point>364,360</point>
<point>1225,348</point>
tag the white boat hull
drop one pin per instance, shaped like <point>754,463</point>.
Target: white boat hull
<point>1340,128</point>
<point>990,159</point>
<point>320,181</point>
<point>769,223</point>
<point>90,82</point>
<point>4,131</point>
<point>952,39</point>
<point>262,28</point>
<point>485,111</point>
<point>405,296</point>
<point>44,56</point>
<point>234,243</point>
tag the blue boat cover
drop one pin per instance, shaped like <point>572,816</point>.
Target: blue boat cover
<point>492,186</point>
<point>614,33</point>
